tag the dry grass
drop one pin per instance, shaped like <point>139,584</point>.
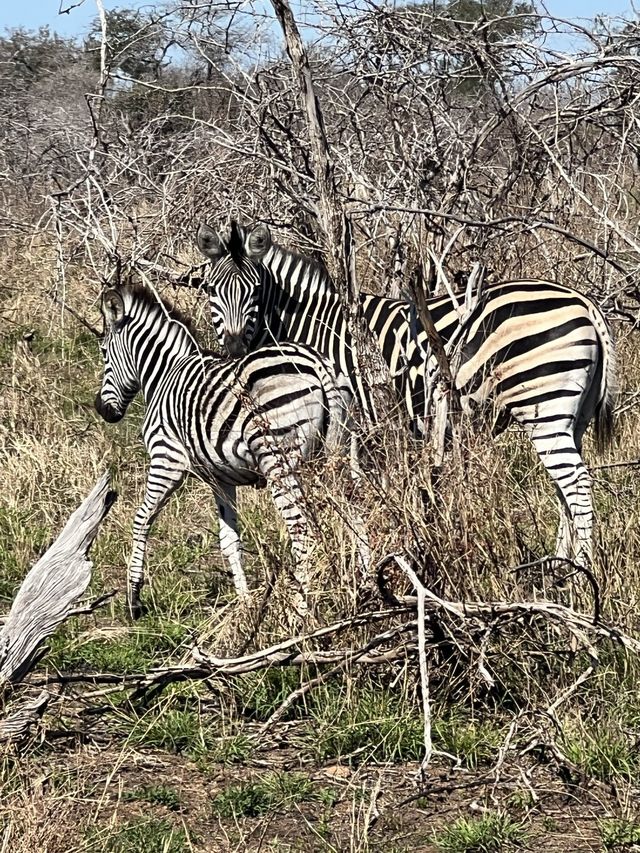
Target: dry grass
<point>82,784</point>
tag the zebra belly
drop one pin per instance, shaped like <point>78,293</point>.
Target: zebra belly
<point>239,471</point>
<point>241,455</point>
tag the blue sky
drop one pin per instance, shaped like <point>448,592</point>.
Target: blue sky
<point>32,14</point>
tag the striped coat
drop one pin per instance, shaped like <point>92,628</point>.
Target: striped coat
<point>247,422</point>
<point>537,353</point>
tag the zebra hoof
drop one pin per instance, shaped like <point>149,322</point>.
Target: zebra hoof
<point>136,608</point>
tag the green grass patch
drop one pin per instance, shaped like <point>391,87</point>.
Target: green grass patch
<point>136,649</point>
<point>142,836</point>
<point>604,753</point>
<point>259,694</point>
<point>473,742</point>
<point>177,730</point>
<point>172,595</point>
<point>185,553</point>
<point>619,834</point>
<point>234,749</point>
<point>276,791</point>
<point>366,724</point>
<point>158,795</point>
<point>490,833</point>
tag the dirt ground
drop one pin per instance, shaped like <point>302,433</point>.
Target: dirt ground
<point>81,795</point>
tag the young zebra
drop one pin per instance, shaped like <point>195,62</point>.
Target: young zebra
<point>538,352</point>
<point>229,423</point>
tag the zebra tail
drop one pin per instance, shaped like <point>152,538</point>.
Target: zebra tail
<point>605,422</point>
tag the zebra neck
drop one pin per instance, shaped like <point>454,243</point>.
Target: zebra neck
<point>159,350</point>
<point>297,276</point>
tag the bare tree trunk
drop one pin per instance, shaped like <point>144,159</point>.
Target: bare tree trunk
<point>333,219</point>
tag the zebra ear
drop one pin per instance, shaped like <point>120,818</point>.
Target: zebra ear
<point>258,242</point>
<point>209,243</point>
<point>112,307</point>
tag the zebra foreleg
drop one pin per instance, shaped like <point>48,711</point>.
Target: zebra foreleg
<point>161,484</point>
<point>230,544</point>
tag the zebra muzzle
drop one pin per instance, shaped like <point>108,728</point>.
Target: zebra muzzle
<point>235,345</point>
<point>106,411</point>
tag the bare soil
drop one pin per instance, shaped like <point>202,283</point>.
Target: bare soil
<point>82,793</point>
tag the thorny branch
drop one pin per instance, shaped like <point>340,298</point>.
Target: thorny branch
<point>473,624</point>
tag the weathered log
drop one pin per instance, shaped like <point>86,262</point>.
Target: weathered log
<point>52,587</point>
<point>17,724</point>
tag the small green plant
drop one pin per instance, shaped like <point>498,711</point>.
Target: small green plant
<point>619,834</point>
<point>473,742</point>
<point>160,795</point>
<point>175,730</point>
<point>276,791</point>
<point>491,833</point>
<point>521,799</point>
<point>142,836</point>
<point>259,694</point>
<point>605,754</point>
<point>369,724</point>
<point>235,749</point>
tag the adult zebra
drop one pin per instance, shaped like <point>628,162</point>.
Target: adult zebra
<point>230,423</point>
<point>540,352</point>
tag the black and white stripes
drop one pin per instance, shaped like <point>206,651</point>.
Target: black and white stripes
<point>229,423</point>
<point>536,352</point>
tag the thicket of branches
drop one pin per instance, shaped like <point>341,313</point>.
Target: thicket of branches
<point>459,131</point>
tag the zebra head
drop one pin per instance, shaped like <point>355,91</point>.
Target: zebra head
<point>120,382</point>
<point>235,282</point>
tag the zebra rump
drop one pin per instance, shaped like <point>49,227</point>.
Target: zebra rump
<point>230,423</point>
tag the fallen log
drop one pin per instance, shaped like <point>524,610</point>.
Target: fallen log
<point>52,587</point>
<point>16,726</point>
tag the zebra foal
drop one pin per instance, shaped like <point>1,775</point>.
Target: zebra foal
<point>229,423</point>
<point>536,353</point>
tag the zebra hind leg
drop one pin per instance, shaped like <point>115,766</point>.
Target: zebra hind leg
<point>565,540</point>
<point>559,454</point>
<point>230,544</point>
<point>287,496</point>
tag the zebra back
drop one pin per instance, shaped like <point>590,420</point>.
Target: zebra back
<point>508,335</point>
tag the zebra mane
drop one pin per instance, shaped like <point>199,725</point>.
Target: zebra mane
<point>146,296</point>
<point>235,244</point>
<point>316,269</point>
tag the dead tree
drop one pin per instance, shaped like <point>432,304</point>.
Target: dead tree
<point>46,598</point>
